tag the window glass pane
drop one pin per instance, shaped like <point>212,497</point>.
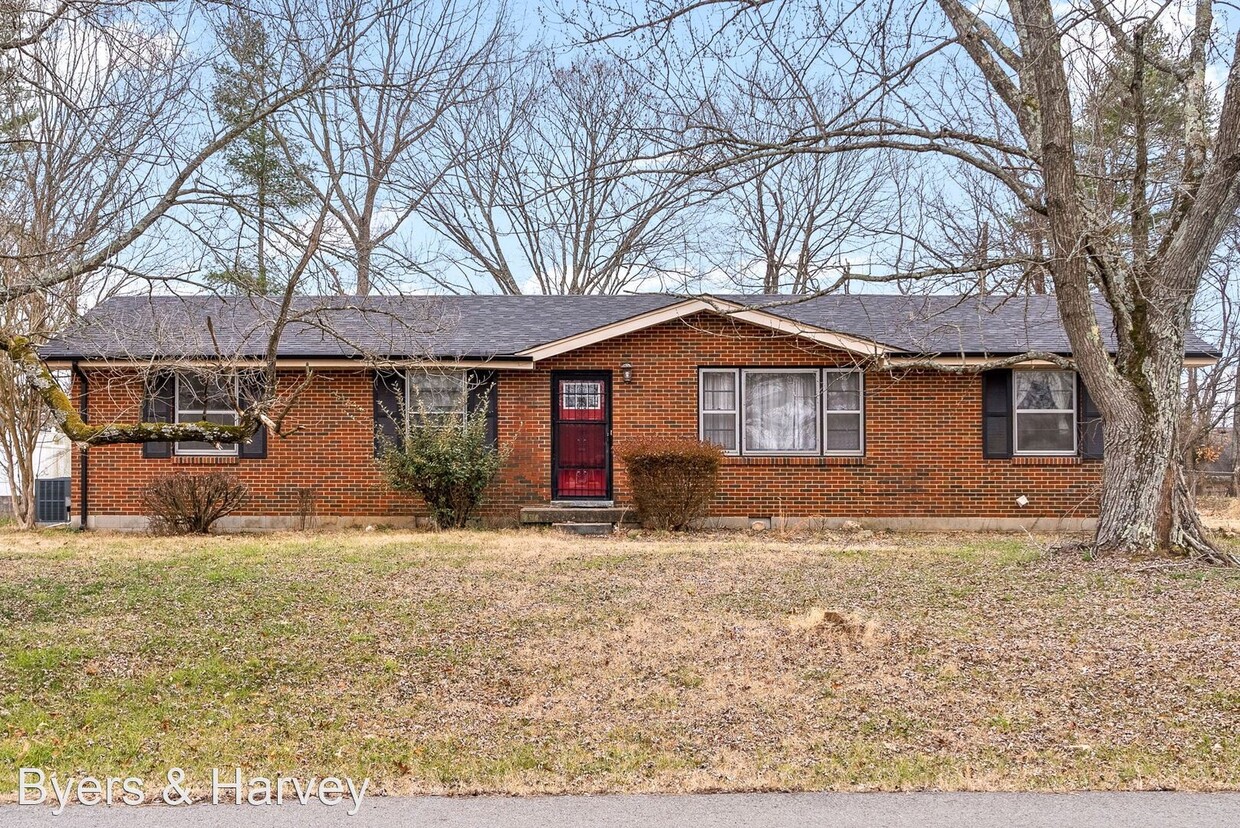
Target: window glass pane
<point>781,412</point>
<point>843,391</point>
<point>197,395</point>
<point>436,393</point>
<point>720,429</point>
<point>1045,432</point>
<point>1044,389</point>
<point>189,393</point>
<point>185,447</point>
<point>843,432</point>
<point>718,391</point>
<point>581,396</point>
<point>209,399</point>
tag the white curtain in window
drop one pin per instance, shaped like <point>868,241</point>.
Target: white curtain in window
<point>781,411</point>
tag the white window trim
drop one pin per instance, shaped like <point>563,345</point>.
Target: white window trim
<point>735,411</point>
<point>1017,411</point>
<point>225,450</point>
<point>463,376</point>
<point>565,394</point>
<point>817,373</point>
<point>738,413</point>
<point>859,411</point>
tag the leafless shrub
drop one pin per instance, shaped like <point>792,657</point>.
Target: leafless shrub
<point>307,506</point>
<point>189,504</point>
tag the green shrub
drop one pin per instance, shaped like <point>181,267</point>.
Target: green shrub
<point>673,481</point>
<point>448,463</point>
<point>189,504</point>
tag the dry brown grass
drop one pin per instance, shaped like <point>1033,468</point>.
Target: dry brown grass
<point>1221,512</point>
<point>532,662</point>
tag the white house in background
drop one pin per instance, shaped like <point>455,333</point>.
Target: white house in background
<point>53,455</point>
<point>53,466</point>
<point>52,461</point>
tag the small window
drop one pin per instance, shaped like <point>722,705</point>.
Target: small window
<point>210,399</point>
<point>1045,409</point>
<point>586,395</point>
<point>843,393</point>
<point>780,410</point>
<point>718,408</point>
<point>435,397</point>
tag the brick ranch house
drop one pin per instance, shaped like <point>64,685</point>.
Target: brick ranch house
<point>836,408</point>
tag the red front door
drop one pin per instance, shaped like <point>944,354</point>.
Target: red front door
<point>580,436</point>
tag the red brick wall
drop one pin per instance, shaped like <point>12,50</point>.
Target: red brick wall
<point>330,450</point>
<point>923,440</point>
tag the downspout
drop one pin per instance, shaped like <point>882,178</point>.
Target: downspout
<point>84,459</point>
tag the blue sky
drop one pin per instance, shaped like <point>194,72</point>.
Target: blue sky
<point>538,24</point>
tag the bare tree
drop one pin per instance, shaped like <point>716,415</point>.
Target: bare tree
<point>541,192</point>
<point>102,171</point>
<point>795,223</point>
<point>1212,403</point>
<point>995,90</point>
<point>64,182</point>
<point>415,65</point>
<point>23,417</point>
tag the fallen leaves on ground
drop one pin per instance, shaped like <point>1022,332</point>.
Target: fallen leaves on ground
<point>532,662</point>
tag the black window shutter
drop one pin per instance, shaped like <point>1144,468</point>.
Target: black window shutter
<point>1088,423</point>
<point>250,385</point>
<point>997,413</point>
<point>484,391</point>
<point>389,407</point>
<point>159,406</point>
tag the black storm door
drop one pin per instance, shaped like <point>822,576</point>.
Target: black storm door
<point>581,436</point>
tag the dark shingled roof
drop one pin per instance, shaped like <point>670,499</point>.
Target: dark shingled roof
<point>146,327</point>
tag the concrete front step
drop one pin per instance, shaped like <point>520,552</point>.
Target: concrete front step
<point>547,515</point>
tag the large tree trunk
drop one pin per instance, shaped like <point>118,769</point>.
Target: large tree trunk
<point>1146,505</point>
<point>28,516</point>
<point>1134,473</point>
<point>363,268</point>
<point>1138,390</point>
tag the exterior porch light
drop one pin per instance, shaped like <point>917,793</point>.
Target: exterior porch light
<point>626,371</point>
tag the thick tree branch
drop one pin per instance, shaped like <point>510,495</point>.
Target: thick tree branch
<point>981,44</point>
<point>65,414</point>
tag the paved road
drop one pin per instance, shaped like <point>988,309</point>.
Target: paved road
<point>1132,810</point>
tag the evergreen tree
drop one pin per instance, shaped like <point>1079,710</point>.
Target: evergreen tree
<point>263,166</point>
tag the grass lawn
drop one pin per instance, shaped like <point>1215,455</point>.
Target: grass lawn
<point>532,662</point>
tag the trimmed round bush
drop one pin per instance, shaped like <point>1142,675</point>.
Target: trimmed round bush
<point>673,481</point>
